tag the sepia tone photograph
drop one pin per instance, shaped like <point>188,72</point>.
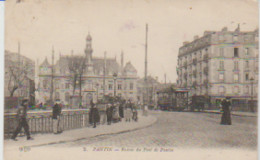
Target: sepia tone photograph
<point>131,79</point>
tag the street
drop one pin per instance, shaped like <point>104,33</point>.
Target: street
<point>183,130</point>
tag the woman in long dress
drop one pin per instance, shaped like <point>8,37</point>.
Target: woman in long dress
<point>226,118</point>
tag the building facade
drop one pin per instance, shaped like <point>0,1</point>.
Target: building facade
<point>101,76</point>
<point>219,64</point>
<point>19,77</point>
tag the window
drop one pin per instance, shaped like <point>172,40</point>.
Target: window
<point>221,90</point>
<point>119,87</point>
<point>110,87</point>
<point>200,54</point>
<point>221,65</point>
<point>236,52</point>
<point>67,97</point>
<point>235,65</point>
<point>247,51</point>
<point>247,64</point>
<point>57,95</point>
<point>221,52</point>
<point>235,37</point>
<point>221,77</point>
<point>236,89</point>
<point>131,86</point>
<point>247,76</point>
<point>67,85</point>
<point>45,84</point>
<point>236,77</point>
<point>247,89</point>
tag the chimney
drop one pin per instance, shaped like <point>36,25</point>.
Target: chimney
<point>196,37</point>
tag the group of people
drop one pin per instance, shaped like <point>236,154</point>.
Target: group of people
<point>112,112</point>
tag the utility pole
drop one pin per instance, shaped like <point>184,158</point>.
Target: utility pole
<point>52,77</point>
<point>145,63</point>
<point>165,79</point>
<point>104,74</point>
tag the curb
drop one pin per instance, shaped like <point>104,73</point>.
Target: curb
<point>233,114</point>
<point>99,135</point>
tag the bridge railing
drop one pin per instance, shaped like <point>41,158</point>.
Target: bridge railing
<point>42,122</point>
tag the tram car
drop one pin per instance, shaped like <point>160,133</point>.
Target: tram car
<point>171,99</point>
<point>198,103</point>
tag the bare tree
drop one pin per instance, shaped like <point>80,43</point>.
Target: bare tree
<point>17,75</point>
<point>77,67</point>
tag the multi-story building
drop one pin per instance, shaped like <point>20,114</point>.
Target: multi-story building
<point>19,76</point>
<point>219,64</point>
<point>101,76</point>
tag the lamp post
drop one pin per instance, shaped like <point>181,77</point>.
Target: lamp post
<point>115,77</point>
<point>97,85</point>
<point>252,94</point>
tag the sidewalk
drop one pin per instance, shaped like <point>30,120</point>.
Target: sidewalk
<point>82,133</point>
<point>235,113</point>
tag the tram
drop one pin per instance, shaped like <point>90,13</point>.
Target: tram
<point>173,99</point>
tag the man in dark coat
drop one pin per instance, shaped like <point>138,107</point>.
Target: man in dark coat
<point>56,112</point>
<point>226,119</point>
<point>22,122</point>
<point>109,112</point>
<point>94,115</point>
<point>121,109</point>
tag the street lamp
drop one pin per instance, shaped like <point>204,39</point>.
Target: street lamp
<point>252,94</point>
<point>115,77</point>
<point>97,85</point>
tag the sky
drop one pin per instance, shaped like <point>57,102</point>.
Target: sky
<point>119,25</point>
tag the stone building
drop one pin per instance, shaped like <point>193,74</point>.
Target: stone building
<point>219,64</point>
<point>101,76</point>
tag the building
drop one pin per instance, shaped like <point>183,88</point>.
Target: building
<point>19,77</point>
<point>100,76</point>
<point>219,64</point>
<point>150,87</point>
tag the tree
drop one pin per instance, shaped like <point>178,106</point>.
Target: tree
<point>17,74</point>
<point>77,67</point>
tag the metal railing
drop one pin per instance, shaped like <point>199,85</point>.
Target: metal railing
<point>42,122</point>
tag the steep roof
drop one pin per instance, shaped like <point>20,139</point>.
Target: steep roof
<point>129,68</point>
<point>45,63</point>
<point>111,65</point>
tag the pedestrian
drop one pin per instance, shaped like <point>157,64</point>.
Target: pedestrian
<point>121,109</point>
<point>135,114</point>
<point>109,112</point>
<point>226,118</point>
<point>94,115</point>
<point>22,122</point>
<point>128,111</point>
<point>104,114</point>
<point>56,113</point>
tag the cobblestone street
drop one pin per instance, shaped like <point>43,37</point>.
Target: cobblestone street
<point>184,130</point>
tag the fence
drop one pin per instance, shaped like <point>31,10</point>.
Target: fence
<point>42,122</point>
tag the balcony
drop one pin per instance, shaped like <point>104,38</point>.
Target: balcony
<point>206,70</point>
